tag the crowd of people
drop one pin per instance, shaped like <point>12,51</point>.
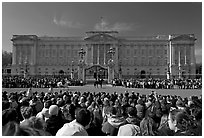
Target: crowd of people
<point>159,83</point>
<point>38,81</point>
<point>53,81</point>
<point>74,113</point>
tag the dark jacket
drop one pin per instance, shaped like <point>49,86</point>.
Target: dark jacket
<point>54,123</point>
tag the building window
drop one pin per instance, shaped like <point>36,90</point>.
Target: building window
<point>135,52</point>
<point>53,52</point>
<point>128,52</point>
<point>135,61</point>
<point>143,51</point>
<point>165,52</point>
<point>150,52</point>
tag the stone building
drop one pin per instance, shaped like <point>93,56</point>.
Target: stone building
<point>105,54</point>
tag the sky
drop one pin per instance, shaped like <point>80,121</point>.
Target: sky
<point>74,19</point>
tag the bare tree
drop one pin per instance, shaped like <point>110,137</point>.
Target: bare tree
<point>6,58</point>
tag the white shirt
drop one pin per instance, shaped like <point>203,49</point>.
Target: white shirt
<point>72,129</point>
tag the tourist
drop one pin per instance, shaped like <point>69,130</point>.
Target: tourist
<point>76,127</point>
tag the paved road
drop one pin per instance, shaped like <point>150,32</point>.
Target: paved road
<point>118,89</point>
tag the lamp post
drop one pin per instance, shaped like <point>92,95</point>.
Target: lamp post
<point>81,64</point>
<point>26,68</point>
<point>111,65</point>
<point>82,54</point>
<point>111,51</point>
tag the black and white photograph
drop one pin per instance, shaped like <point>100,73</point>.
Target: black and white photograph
<point>102,68</point>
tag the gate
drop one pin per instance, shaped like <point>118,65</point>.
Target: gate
<point>96,72</point>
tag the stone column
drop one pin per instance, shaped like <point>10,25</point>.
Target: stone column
<point>193,67</point>
<point>14,55</point>
<point>104,58</point>
<point>173,54</point>
<point>192,58</point>
<point>98,52</point>
<point>91,62</point>
<point>170,60</point>
<point>34,52</point>
<point>185,54</point>
<point>179,63</point>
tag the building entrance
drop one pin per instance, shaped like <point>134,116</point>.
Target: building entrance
<point>143,74</point>
<point>96,72</point>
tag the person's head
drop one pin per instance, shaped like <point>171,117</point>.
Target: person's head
<point>125,100</point>
<point>112,111</point>
<point>131,111</point>
<point>8,115</point>
<point>106,102</point>
<point>53,110</point>
<point>83,116</point>
<point>179,120</point>
<point>45,112</point>
<point>69,111</point>
<point>148,127</point>
<point>5,105</point>
<point>26,111</point>
<point>117,103</point>
<point>47,104</point>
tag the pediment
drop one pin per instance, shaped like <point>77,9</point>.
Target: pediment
<point>183,37</point>
<point>101,37</point>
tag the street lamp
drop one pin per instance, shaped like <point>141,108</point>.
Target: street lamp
<point>81,72</point>
<point>82,53</point>
<point>111,52</point>
<point>111,65</point>
<point>26,68</point>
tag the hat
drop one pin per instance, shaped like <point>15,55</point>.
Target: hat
<point>129,130</point>
<point>53,110</point>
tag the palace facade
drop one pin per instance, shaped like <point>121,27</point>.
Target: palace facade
<point>105,54</point>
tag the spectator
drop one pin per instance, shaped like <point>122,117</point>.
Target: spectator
<point>26,112</point>
<point>148,127</point>
<point>54,122</point>
<point>76,127</point>
<point>14,129</point>
<point>111,126</point>
<point>181,123</point>
<point>140,108</point>
<point>132,119</point>
<point>129,130</point>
